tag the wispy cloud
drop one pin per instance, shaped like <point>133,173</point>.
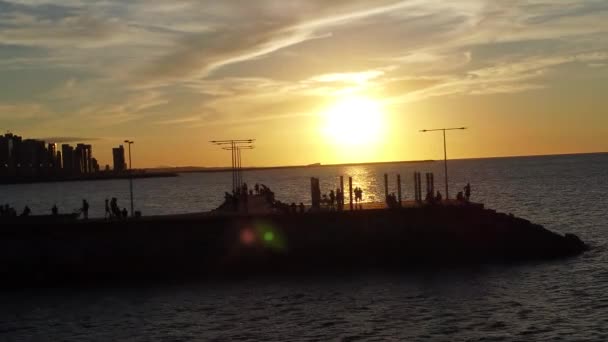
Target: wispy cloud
<point>64,140</point>
<point>171,63</point>
<point>188,120</point>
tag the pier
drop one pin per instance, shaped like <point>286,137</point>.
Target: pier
<point>253,232</point>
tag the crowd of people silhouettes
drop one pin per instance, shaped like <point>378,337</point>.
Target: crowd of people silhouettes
<point>333,201</point>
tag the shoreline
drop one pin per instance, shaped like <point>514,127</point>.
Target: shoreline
<point>94,177</point>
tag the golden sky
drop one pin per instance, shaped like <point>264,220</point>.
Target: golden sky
<point>313,81</point>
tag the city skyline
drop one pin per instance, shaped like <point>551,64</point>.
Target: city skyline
<point>312,81</point>
<point>27,159</point>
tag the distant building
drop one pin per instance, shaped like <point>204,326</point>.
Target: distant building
<point>35,159</point>
<point>5,152</point>
<point>32,159</point>
<point>118,154</point>
<point>94,165</point>
<point>8,154</point>
<point>53,159</point>
<point>51,152</point>
<point>67,153</point>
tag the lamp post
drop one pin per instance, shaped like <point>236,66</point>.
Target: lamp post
<point>445,154</point>
<point>235,146</point>
<point>238,164</point>
<point>130,142</point>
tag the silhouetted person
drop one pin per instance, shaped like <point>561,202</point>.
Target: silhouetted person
<point>293,208</point>
<point>460,196</point>
<point>85,209</point>
<point>108,214</point>
<point>54,210</point>
<point>339,199</point>
<point>438,197</point>
<point>302,208</point>
<point>124,213</point>
<point>26,211</point>
<point>9,211</point>
<point>391,200</point>
<point>359,194</point>
<point>114,208</point>
<point>257,188</point>
<point>332,198</point>
<point>429,197</point>
<point>467,191</point>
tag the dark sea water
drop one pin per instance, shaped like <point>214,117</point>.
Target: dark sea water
<point>558,300</point>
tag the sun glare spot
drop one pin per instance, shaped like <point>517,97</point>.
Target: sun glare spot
<point>354,120</point>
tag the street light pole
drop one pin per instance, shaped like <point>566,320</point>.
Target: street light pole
<point>238,163</point>
<point>235,146</point>
<point>445,154</point>
<point>130,142</point>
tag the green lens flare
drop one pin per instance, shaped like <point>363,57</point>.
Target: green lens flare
<point>268,236</point>
<point>271,236</point>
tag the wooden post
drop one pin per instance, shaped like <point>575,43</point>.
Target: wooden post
<point>341,204</point>
<point>399,188</point>
<point>418,190</point>
<point>415,186</point>
<point>418,187</point>
<point>315,193</point>
<point>350,191</point>
<point>385,186</point>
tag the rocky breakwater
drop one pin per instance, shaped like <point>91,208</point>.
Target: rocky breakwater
<point>205,244</point>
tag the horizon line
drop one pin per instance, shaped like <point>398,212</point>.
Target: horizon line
<point>223,168</point>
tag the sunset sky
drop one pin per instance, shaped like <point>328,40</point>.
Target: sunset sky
<point>313,81</point>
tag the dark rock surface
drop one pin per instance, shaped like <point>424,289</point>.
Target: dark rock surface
<point>38,252</point>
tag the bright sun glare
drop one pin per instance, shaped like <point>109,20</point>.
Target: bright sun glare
<point>354,121</point>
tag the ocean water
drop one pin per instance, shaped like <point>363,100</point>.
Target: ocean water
<point>558,300</point>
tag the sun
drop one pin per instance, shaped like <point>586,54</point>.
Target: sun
<point>354,120</point>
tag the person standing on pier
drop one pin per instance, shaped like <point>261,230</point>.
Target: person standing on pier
<point>85,209</point>
<point>114,208</point>
<point>54,210</point>
<point>339,199</point>
<point>467,191</point>
<point>108,214</point>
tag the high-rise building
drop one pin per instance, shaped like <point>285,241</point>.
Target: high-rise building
<point>6,164</point>
<point>67,153</point>
<point>35,159</point>
<point>32,159</point>
<point>118,154</point>
<point>90,166</point>
<point>51,152</point>
<point>94,165</point>
<point>9,144</point>
<point>4,152</point>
